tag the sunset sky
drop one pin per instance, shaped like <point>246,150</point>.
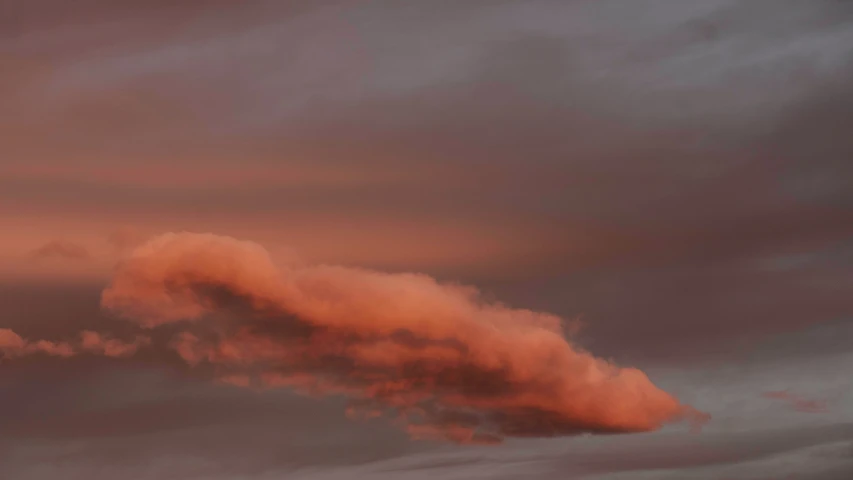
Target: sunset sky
<point>406,240</point>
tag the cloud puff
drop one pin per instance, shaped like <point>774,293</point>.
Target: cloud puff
<point>448,363</point>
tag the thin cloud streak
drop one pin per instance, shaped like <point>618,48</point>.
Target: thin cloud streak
<point>61,249</point>
<point>206,177</point>
<point>797,402</point>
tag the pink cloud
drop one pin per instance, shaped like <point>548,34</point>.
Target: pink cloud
<point>444,361</point>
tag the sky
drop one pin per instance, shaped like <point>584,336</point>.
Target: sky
<point>480,239</point>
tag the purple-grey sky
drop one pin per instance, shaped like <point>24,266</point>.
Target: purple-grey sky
<point>671,178</point>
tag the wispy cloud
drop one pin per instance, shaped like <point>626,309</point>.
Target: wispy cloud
<point>61,249</point>
<point>14,346</point>
<point>798,403</point>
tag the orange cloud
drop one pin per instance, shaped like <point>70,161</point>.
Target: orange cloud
<point>448,363</point>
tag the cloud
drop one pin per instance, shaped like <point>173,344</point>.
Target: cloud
<point>450,364</point>
<point>13,345</point>
<point>61,249</point>
<point>797,402</point>
<point>95,342</point>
